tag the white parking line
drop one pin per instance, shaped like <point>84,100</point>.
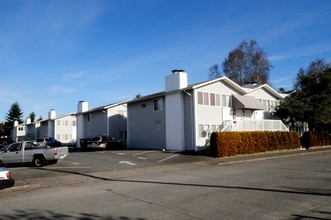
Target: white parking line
<point>168,158</point>
<point>142,158</point>
<point>67,168</point>
<point>127,162</point>
<point>120,153</point>
<point>145,152</point>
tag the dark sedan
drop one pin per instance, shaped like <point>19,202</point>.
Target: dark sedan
<point>103,141</point>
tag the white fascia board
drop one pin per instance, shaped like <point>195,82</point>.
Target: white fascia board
<point>269,89</point>
<point>107,106</point>
<point>225,80</point>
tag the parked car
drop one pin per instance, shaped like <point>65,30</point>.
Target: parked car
<point>31,152</point>
<point>103,141</point>
<point>6,179</point>
<point>6,142</point>
<point>2,146</point>
<point>49,141</point>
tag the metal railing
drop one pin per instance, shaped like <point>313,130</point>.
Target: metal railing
<point>260,125</point>
<point>255,125</point>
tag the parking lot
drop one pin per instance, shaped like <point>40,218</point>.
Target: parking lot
<point>161,185</point>
<point>82,166</point>
<point>88,162</point>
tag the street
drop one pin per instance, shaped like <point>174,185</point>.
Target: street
<point>296,187</point>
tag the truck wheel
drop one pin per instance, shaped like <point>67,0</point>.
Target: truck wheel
<point>39,161</point>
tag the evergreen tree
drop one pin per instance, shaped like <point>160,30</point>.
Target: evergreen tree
<point>2,129</point>
<point>32,116</point>
<point>311,101</point>
<point>14,114</point>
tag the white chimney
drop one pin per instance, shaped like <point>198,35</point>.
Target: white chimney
<point>177,80</point>
<point>51,114</point>
<point>28,121</point>
<point>15,123</point>
<point>82,107</point>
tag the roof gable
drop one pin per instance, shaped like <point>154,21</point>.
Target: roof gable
<point>225,80</point>
<point>107,106</point>
<point>267,88</point>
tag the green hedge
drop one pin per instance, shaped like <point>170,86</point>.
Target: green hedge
<point>225,144</point>
<point>315,138</point>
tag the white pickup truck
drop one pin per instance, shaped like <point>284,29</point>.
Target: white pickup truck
<point>31,152</point>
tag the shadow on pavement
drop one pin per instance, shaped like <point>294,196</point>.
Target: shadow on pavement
<point>48,214</point>
<point>300,191</point>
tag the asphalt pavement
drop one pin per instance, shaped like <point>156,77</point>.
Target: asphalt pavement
<point>151,162</point>
<point>282,185</point>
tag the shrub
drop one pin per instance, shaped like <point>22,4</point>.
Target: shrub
<point>225,144</point>
<point>315,138</point>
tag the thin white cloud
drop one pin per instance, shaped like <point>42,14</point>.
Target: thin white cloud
<point>309,50</point>
<point>281,79</point>
<point>313,49</point>
<point>277,58</point>
<point>60,89</point>
<point>79,75</point>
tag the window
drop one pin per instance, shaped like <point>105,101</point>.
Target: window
<point>272,105</point>
<point>158,105</point>
<point>58,123</point>
<point>15,147</point>
<point>223,100</point>
<point>212,99</point>
<point>201,131</point>
<point>200,98</point>
<point>73,123</point>
<point>230,101</point>
<point>226,101</point>
<point>217,102</point>
<point>205,98</point>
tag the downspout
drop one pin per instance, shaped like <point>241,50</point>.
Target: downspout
<point>128,129</point>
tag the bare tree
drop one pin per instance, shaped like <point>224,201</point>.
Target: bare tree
<point>246,63</point>
<point>214,71</point>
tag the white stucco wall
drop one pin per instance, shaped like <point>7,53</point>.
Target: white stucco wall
<point>175,136</point>
<point>66,128</point>
<point>208,115</point>
<point>262,94</point>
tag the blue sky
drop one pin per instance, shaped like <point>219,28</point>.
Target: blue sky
<point>56,53</point>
